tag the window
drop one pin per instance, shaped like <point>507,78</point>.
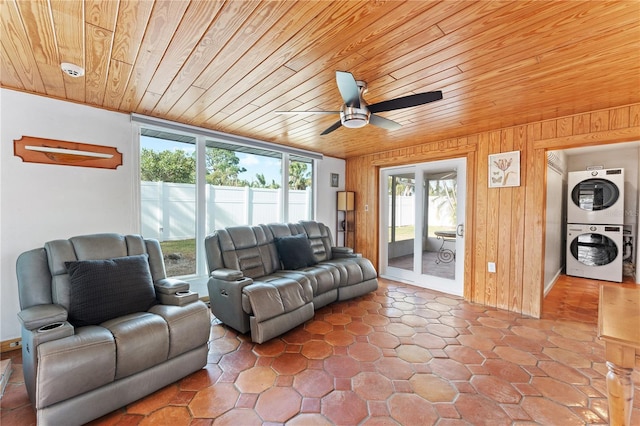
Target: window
<point>192,185</point>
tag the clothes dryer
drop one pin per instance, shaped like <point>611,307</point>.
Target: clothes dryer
<point>595,251</point>
<point>596,197</point>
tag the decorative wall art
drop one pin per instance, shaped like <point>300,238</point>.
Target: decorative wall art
<point>504,169</point>
<point>335,180</point>
<point>50,151</point>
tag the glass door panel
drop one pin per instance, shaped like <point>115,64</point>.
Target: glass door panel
<point>401,220</point>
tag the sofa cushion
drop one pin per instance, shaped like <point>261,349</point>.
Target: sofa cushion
<point>295,251</point>
<point>106,289</point>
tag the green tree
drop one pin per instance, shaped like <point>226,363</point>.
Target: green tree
<point>261,182</point>
<point>299,175</point>
<point>175,166</point>
<point>223,168</point>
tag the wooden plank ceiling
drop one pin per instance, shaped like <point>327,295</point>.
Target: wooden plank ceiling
<point>228,65</point>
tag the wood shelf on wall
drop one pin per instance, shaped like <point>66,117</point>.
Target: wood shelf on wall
<point>64,153</point>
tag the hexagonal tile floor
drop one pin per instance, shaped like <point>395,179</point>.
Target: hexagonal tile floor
<point>400,356</point>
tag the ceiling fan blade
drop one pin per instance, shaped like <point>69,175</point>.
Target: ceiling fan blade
<point>385,123</point>
<point>348,88</point>
<point>333,127</point>
<point>306,112</point>
<point>406,101</point>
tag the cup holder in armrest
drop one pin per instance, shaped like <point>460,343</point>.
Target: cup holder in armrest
<point>183,293</point>
<point>50,327</point>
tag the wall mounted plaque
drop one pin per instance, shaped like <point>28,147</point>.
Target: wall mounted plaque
<point>50,151</point>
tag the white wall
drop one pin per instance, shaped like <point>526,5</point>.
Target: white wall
<point>326,198</point>
<point>555,221</point>
<point>42,202</point>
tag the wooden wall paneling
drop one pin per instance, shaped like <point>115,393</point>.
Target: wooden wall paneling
<point>634,115</point>
<point>493,229</point>
<point>564,126</point>
<point>549,129</point>
<point>505,232</point>
<point>480,216</point>
<point>599,121</point>
<point>619,118</point>
<point>517,224</point>
<point>581,124</point>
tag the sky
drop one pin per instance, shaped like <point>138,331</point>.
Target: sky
<point>254,164</point>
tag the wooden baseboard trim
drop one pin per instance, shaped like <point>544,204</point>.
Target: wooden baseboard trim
<point>10,345</point>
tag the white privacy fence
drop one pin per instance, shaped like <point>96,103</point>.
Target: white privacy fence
<point>169,209</point>
<point>439,215</point>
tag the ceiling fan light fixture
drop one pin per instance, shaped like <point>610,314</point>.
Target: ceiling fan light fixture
<point>354,118</point>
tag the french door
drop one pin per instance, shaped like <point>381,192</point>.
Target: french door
<point>422,224</point>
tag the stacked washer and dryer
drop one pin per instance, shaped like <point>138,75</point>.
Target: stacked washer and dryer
<point>595,219</point>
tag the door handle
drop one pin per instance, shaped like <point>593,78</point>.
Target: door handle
<point>460,230</point>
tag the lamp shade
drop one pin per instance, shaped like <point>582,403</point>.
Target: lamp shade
<point>346,200</point>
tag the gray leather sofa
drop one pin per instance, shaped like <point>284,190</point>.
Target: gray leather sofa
<point>102,326</point>
<point>268,279</point>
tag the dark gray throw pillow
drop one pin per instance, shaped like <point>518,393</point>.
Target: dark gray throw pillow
<point>295,251</point>
<point>105,289</point>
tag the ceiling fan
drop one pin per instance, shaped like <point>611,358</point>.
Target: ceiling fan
<point>355,112</point>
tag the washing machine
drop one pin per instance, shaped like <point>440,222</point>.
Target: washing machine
<point>596,196</point>
<point>595,251</point>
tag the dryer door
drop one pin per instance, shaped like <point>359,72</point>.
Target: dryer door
<point>592,249</point>
<point>595,194</point>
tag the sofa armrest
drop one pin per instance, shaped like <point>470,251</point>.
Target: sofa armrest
<point>170,286</point>
<point>42,315</point>
<point>227,274</point>
<point>342,252</point>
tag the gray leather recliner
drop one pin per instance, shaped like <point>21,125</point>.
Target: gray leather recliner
<point>252,289</point>
<point>76,373</point>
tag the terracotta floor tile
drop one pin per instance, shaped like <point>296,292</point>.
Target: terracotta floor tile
<point>402,350</point>
<point>289,363</point>
<point>273,347</point>
<point>344,408</point>
<point>178,416</point>
<point>409,409</point>
<point>372,386</point>
<point>413,353</point>
<point>316,349</point>
<point>515,356</point>
<point>560,392</point>
<point>340,338</point>
<point>341,366</point>
<point>214,401</point>
<point>255,379</point>
<point>547,412</point>
<point>449,369</point>
<point>497,389</point>
<point>359,328</point>
<point>238,416</point>
<point>464,355</point>
<point>278,404</point>
<point>310,405</point>
<point>433,388</point>
<point>394,368</point>
<point>313,383</point>
<point>508,371</point>
<point>477,409</point>
<point>308,419</point>
<point>364,352</point>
